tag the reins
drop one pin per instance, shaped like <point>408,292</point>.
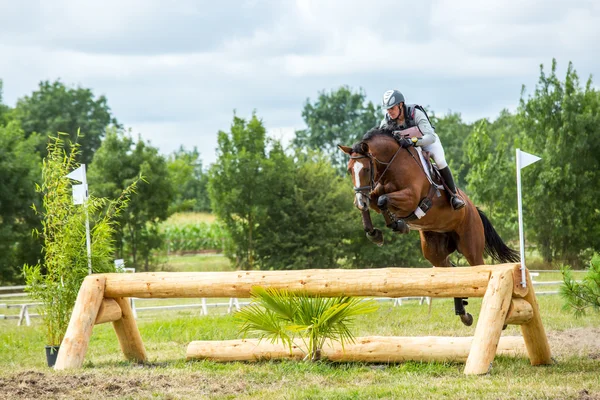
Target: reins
<point>372,158</point>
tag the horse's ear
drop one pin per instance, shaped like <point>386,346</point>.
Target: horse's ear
<point>345,149</point>
<point>364,148</point>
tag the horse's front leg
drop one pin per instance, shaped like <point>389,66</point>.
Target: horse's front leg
<point>397,201</point>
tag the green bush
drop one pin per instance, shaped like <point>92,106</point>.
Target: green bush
<point>580,296</point>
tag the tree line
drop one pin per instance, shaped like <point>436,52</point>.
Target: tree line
<point>288,208</point>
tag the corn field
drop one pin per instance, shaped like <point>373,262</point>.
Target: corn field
<point>194,237</point>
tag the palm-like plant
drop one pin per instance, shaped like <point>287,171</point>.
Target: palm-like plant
<point>280,315</point>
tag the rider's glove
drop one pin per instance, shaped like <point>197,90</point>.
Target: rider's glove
<point>405,142</point>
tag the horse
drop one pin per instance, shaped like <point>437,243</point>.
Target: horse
<point>392,180</point>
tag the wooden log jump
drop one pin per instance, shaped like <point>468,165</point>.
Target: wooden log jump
<point>378,349</point>
<point>103,298</point>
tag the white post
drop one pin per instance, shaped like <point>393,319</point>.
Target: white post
<point>523,159</point>
<point>87,221</point>
<point>520,210</point>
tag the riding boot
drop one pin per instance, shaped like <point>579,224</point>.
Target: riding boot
<point>456,202</point>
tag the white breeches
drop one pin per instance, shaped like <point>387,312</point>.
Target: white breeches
<point>437,152</point>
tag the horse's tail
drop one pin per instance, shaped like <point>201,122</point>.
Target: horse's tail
<point>494,246</point>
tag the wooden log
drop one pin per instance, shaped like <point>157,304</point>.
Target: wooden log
<point>518,289</point>
<point>381,349</point>
<point>77,337</point>
<point>494,309</point>
<point>519,313</point>
<point>386,282</point>
<point>534,333</point>
<point>128,333</point>
<point>109,311</point>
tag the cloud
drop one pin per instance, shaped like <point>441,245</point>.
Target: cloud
<point>176,71</point>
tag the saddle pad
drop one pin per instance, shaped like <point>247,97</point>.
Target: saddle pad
<point>427,167</point>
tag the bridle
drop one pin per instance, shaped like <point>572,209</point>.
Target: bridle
<point>366,190</point>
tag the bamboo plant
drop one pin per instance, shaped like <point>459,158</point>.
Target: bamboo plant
<point>55,280</point>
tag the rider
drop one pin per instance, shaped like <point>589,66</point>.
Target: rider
<point>400,116</point>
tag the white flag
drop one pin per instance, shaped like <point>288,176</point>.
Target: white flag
<point>78,174</point>
<point>526,158</point>
<point>79,194</point>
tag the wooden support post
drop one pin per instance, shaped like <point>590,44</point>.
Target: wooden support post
<point>534,333</point>
<point>109,312</point>
<point>381,349</point>
<point>494,309</point>
<point>75,343</point>
<point>519,313</point>
<point>128,333</point>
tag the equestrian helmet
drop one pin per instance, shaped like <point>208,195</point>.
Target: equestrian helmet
<point>392,98</point>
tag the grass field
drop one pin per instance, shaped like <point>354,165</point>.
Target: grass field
<point>575,344</point>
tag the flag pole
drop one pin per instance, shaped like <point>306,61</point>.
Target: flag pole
<point>520,209</point>
<point>87,221</point>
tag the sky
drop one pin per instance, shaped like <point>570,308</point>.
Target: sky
<point>174,72</point>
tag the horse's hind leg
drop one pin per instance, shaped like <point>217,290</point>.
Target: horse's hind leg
<point>459,308</point>
<point>437,248</point>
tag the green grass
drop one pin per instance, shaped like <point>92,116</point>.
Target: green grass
<point>197,262</point>
<point>168,375</point>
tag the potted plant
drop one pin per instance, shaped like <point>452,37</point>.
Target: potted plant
<point>280,315</point>
<point>55,280</point>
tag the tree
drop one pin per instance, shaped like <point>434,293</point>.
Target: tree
<point>235,186</point>
<point>20,168</point>
<point>3,108</point>
<point>491,177</point>
<point>561,121</point>
<point>453,133</point>
<point>119,162</point>
<point>306,218</point>
<point>55,107</point>
<point>190,181</point>
<point>341,116</point>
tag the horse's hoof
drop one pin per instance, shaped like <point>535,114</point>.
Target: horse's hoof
<point>400,226</point>
<point>504,326</point>
<point>382,202</point>
<point>467,319</point>
<point>376,237</point>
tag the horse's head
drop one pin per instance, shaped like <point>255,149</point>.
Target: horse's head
<point>371,159</point>
<point>361,168</point>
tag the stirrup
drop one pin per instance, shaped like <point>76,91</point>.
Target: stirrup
<point>457,203</point>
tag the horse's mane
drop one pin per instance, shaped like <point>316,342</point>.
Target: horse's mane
<point>375,131</point>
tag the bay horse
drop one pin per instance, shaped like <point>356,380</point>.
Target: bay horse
<point>392,180</point>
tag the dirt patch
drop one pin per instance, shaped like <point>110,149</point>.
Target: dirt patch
<point>585,395</point>
<point>583,342</point>
<point>100,385</point>
<point>35,385</point>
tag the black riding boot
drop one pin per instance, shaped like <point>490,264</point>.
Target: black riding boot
<point>456,202</point>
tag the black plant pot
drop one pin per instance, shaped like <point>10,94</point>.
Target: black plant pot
<point>51,353</point>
